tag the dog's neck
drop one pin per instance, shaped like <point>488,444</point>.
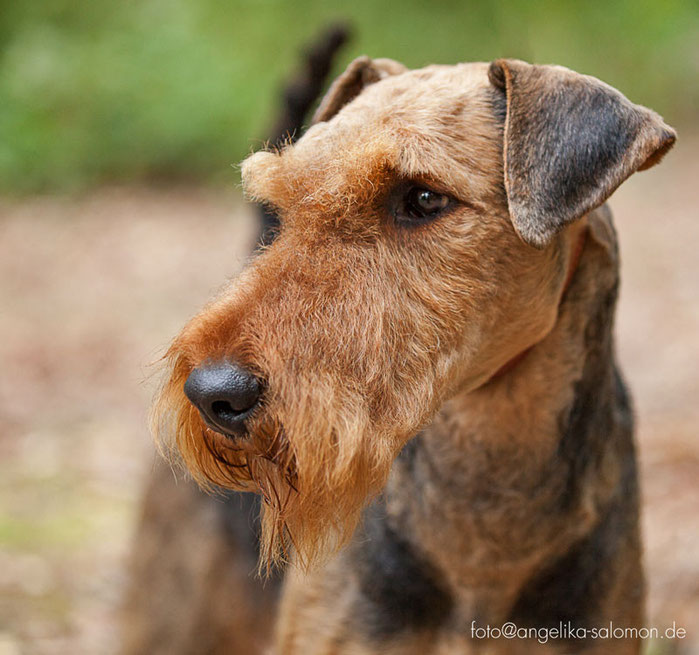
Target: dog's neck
<point>494,486</point>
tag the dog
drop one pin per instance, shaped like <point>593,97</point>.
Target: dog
<point>418,374</point>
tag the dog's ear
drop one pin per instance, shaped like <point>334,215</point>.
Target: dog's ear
<point>569,142</point>
<point>362,72</point>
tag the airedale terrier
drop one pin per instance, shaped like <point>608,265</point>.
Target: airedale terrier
<point>427,346</point>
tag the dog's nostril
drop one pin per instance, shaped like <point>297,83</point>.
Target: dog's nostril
<point>225,395</point>
<point>224,410</point>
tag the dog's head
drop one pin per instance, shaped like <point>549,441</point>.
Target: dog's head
<point>424,242</point>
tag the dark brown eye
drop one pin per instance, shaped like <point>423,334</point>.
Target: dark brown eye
<point>420,204</point>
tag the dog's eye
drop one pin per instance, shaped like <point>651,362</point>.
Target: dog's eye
<point>420,204</point>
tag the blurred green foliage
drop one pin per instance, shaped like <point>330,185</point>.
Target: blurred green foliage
<point>131,90</point>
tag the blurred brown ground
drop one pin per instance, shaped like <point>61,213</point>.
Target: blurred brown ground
<point>91,291</point>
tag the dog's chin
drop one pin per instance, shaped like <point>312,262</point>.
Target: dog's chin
<point>312,502</point>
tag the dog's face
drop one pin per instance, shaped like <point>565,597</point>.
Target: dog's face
<point>423,244</point>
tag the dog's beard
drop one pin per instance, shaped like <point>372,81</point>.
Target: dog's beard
<point>314,456</point>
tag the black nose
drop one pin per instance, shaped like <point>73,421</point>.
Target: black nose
<point>224,394</point>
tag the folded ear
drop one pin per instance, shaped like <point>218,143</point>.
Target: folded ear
<point>362,72</point>
<point>569,142</point>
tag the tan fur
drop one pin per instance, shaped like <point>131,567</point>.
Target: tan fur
<point>363,329</point>
<point>345,406</point>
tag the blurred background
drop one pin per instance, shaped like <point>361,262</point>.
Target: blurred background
<point>121,125</point>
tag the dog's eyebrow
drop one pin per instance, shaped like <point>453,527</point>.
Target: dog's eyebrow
<point>336,176</point>
<point>257,175</point>
<point>458,168</point>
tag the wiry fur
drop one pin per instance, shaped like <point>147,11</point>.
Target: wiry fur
<point>361,328</point>
<point>349,382</point>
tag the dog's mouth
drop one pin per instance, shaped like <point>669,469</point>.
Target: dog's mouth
<point>241,454</point>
